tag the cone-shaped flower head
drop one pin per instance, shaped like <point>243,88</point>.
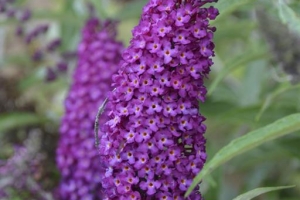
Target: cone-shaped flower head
<point>77,158</point>
<point>153,143</point>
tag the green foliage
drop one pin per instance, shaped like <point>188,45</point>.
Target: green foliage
<point>16,120</point>
<point>258,191</point>
<point>226,7</point>
<point>288,16</point>
<point>239,61</point>
<point>131,10</point>
<point>249,141</point>
<point>271,97</point>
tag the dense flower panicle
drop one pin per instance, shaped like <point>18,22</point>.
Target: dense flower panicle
<point>98,57</point>
<point>35,36</point>
<point>22,172</point>
<point>16,171</point>
<point>153,143</point>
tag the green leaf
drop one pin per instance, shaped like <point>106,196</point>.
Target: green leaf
<point>100,8</point>
<point>247,142</point>
<point>131,10</point>
<point>251,55</point>
<point>227,6</point>
<point>288,16</point>
<point>233,31</point>
<point>258,191</point>
<point>18,119</point>
<point>23,59</point>
<point>270,98</point>
<point>252,83</point>
<point>290,145</point>
<point>31,80</point>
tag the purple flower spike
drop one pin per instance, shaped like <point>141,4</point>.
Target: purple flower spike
<point>77,158</point>
<point>155,133</point>
<point>19,173</point>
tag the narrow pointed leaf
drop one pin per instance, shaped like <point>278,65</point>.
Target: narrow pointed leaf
<point>131,10</point>
<point>239,61</point>
<point>288,16</point>
<point>271,97</point>
<point>258,191</point>
<point>228,6</point>
<point>247,142</point>
<point>18,119</point>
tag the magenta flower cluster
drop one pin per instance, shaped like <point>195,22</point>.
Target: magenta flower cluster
<point>153,144</point>
<point>78,160</point>
<point>45,50</point>
<point>16,172</point>
<point>20,173</point>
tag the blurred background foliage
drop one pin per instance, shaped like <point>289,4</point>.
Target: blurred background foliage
<point>254,81</point>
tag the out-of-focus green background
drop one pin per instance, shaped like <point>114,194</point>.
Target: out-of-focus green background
<point>254,81</point>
